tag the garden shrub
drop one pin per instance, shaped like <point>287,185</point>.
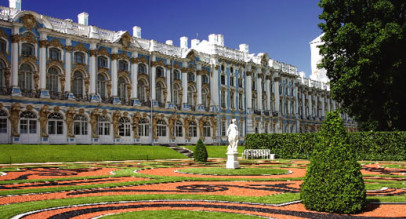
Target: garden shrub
<point>200,153</point>
<point>333,181</point>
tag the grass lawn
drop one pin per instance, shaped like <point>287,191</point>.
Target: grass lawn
<point>217,151</point>
<point>68,153</point>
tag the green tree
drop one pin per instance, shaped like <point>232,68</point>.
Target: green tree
<point>200,153</point>
<point>333,181</point>
<point>364,55</point>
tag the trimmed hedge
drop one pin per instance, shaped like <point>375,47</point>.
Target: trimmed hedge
<point>367,145</point>
<point>200,153</point>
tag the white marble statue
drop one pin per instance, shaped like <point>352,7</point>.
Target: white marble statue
<point>232,133</point>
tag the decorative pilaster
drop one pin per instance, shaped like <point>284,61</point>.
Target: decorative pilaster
<point>259,92</point>
<point>114,79</point>
<point>134,80</point>
<point>322,108</point>
<point>168,75</point>
<point>200,107</point>
<point>92,71</point>
<point>303,105</point>
<point>184,87</point>
<point>153,83</point>
<point>14,62</point>
<point>276,91</point>
<point>296,93</point>
<point>68,69</point>
<point>310,104</point>
<point>42,65</point>
<point>249,91</point>
<point>268,92</point>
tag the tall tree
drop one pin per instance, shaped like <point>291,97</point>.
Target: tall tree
<point>365,57</point>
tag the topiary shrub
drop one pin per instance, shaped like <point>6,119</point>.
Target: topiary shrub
<point>333,181</point>
<point>200,153</point>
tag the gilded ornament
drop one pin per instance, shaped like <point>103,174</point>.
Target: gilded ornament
<point>116,117</point>
<point>15,38</point>
<point>28,37</point>
<point>43,43</point>
<point>36,81</point>
<point>158,63</point>
<point>94,116</point>
<point>29,108</point>
<point>70,113</point>
<point>103,52</point>
<point>115,56</point>
<point>29,21</point>
<point>7,75</point>
<point>142,59</point>
<point>55,43</point>
<point>126,40</point>
<point>43,120</point>
<point>15,118</point>
<point>81,47</point>
<point>176,65</point>
<point>68,48</point>
<point>2,34</point>
<point>214,127</point>
<point>136,119</point>
<point>133,60</point>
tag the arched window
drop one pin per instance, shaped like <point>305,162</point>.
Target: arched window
<point>55,124</point>
<point>254,87</point>
<point>241,101</point>
<point>205,79</point>
<point>240,82</point>
<point>159,89</point>
<point>192,129</point>
<point>206,129</point>
<point>142,89</point>
<point>79,58</point>
<point>122,89</point>
<point>77,85</point>
<point>222,67</point>
<point>27,49</point>
<point>102,62</point>
<point>232,79</point>
<point>264,105</point>
<point>254,103</point>
<point>142,69</point>
<point>177,75</point>
<point>190,91</point>
<point>223,128</point>
<point>3,121</point>
<point>123,65</point>
<point>28,123</point>
<point>3,46</point>
<point>241,128</point>
<point>55,54</point>
<point>143,127</point>
<point>223,79</point>
<point>190,76</point>
<point>232,100</point>
<point>176,92</point>
<point>232,70</point>
<point>161,128</point>
<point>159,72</point>
<point>205,94</point>
<point>3,69</point>
<point>178,129</point>
<point>124,127</point>
<point>102,86</point>
<point>223,98</point>
<point>53,81</point>
<point>103,125</point>
<point>25,76</point>
<point>80,125</point>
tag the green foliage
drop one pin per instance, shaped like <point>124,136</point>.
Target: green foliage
<point>364,55</point>
<point>366,145</point>
<point>200,153</point>
<point>333,181</point>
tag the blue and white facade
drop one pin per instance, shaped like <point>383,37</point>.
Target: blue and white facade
<point>63,82</point>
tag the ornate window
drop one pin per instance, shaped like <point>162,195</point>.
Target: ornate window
<point>124,127</point>
<point>55,124</point>
<point>159,89</point>
<point>103,125</point>
<point>102,86</point>
<point>123,65</point>
<point>3,69</point>
<point>178,129</point>
<point>77,85</point>
<point>159,72</point>
<point>231,70</point>
<point>102,62</point>
<point>52,81</point>
<point>192,129</point>
<point>55,54</point>
<point>232,100</point>
<point>206,129</point>
<point>80,125</point>
<point>122,89</point>
<point>240,82</point>
<point>176,92</point>
<point>3,121</point>
<point>142,89</point>
<point>143,127</point>
<point>177,75</point>
<point>222,67</point>
<point>240,101</point>
<point>254,87</point>
<point>161,128</point>
<point>205,79</point>
<point>232,79</point>
<point>254,103</point>
<point>25,76</point>
<point>241,128</point>
<point>190,76</point>
<point>223,128</point>
<point>3,46</point>
<point>28,49</point>
<point>79,58</point>
<point>190,92</point>
<point>142,69</point>
<point>264,105</point>
<point>223,98</point>
<point>28,123</point>
<point>223,79</point>
<point>205,101</point>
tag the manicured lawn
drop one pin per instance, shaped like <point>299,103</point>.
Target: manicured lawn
<point>176,214</point>
<point>236,172</point>
<point>217,151</point>
<point>67,153</point>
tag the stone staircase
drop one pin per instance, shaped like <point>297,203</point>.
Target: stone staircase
<point>182,150</point>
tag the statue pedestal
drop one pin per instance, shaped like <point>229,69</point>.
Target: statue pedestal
<point>232,162</point>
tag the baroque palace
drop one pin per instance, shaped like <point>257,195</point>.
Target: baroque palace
<point>63,82</point>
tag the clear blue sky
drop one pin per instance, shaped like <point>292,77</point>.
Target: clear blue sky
<point>282,28</point>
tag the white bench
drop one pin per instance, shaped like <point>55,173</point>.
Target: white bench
<point>258,153</point>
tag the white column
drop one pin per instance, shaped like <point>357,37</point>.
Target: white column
<point>214,88</point>
<point>114,79</point>
<point>134,76</point>
<point>303,104</point>
<point>328,99</point>
<point>153,83</point>
<point>92,72</point>
<point>249,91</point>
<point>168,84</point>
<point>268,93</point>
<point>276,92</point>
<point>310,104</point>
<point>199,88</point>
<point>14,57</point>
<point>184,87</point>
<point>42,62</point>
<point>68,65</point>
<point>296,100</point>
<point>259,92</point>
<point>316,105</point>
<point>322,107</point>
